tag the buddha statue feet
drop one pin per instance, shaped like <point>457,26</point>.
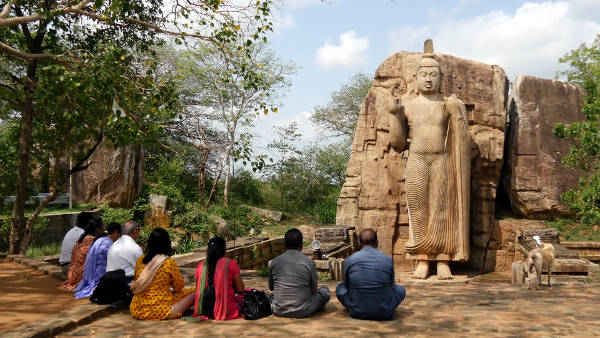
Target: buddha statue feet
<point>443,270</point>
<point>422,270</point>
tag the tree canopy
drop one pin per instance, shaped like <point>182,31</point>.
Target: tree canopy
<point>80,71</point>
<point>340,114</point>
<point>584,69</point>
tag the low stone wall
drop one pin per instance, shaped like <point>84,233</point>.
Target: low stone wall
<point>332,268</point>
<point>502,247</point>
<point>58,225</point>
<point>587,250</point>
<point>257,255</point>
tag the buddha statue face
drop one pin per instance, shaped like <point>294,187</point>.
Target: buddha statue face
<point>429,80</point>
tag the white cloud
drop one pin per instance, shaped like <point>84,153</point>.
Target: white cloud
<point>348,54</point>
<point>528,41</point>
<point>282,21</point>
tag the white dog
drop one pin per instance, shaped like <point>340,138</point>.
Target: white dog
<point>541,258</point>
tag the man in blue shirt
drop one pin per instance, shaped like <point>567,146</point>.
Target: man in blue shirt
<point>368,290</point>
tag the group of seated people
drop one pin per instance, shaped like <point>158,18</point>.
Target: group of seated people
<point>159,292</point>
<point>89,251</point>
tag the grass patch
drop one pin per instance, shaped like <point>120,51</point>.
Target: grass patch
<point>43,250</point>
<point>263,271</point>
<point>572,231</point>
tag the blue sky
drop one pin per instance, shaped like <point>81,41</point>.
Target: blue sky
<point>332,40</point>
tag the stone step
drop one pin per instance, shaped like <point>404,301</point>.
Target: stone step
<point>559,250</point>
<point>575,266</point>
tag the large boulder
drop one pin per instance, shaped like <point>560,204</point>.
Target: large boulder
<point>534,176</point>
<point>373,194</point>
<point>113,178</point>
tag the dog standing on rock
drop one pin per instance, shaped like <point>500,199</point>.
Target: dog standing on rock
<point>541,258</point>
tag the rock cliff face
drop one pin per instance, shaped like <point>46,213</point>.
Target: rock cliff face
<point>534,176</point>
<point>373,194</point>
<point>114,177</point>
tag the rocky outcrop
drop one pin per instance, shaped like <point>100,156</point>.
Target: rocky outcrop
<point>534,176</point>
<point>270,214</point>
<point>373,194</point>
<point>113,178</point>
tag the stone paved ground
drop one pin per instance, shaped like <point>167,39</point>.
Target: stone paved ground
<point>27,295</point>
<point>570,308</point>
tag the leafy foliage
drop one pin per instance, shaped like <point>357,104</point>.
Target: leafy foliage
<point>584,69</point>
<point>116,215</point>
<point>195,220</point>
<point>307,180</point>
<point>571,230</point>
<point>8,154</point>
<point>246,189</point>
<point>80,71</point>
<point>340,114</point>
<point>239,217</point>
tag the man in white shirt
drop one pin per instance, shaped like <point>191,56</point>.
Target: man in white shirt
<point>124,252</point>
<point>71,238</point>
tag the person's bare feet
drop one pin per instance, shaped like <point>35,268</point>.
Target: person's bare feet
<point>443,270</point>
<point>422,270</point>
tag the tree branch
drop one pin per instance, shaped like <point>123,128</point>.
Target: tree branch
<point>6,9</point>
<point>8,50</point>
<point>146,25</point>
<point>5,22</point>
<point>80,166</point>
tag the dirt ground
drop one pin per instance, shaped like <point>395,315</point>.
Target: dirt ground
<point>27,295</point>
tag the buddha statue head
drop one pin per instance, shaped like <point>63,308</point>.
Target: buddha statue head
<point>429,74</point>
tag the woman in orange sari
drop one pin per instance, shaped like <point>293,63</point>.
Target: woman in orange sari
<point>224,274</point>
<point>158,288</point>
<point>94,228</point>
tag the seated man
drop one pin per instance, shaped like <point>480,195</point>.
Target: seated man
<point>368,290</point>
<point>293,277</point>
<point>124,252</point>
<point>71,237</point>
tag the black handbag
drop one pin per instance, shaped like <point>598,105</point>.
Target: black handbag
<point>255,305</point>
<point>112,288</point>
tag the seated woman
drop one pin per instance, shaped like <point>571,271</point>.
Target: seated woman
<point>224,274</point>
<point>157,287</point>
<point>94,228</point>
<point>95,262</point>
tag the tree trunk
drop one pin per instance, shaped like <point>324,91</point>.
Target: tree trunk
<point>27,114</point>
<point>227,177</point>
<point>202,175</point>
<point>214,187</point>
<point>31,221</point>
<point>58,184</point>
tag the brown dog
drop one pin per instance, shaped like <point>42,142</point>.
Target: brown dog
<point>541,258</point>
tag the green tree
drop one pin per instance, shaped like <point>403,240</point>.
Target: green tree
<point>8,150</point>
<point>340,114</point>
<point>220,106</point>
<point>584,70</point>
<point>61,58</point>
<point>281,171</point>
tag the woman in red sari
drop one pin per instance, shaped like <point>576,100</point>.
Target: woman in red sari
<point>94,228</point>
<point>224,274</point>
